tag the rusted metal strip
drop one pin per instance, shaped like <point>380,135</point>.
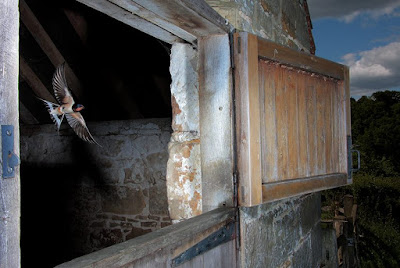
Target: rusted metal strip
<point>221,236</point>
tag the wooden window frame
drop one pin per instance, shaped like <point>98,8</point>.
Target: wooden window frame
<point>248,50</point>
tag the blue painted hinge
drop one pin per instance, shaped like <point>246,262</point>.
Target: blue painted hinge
<point>9,159</point>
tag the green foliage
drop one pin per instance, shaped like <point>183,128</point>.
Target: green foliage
<point>376,187</point>
<point>378,220</point>
<point>376,132</point>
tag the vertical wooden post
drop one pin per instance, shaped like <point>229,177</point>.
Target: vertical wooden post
<point>9,188</point>
<point>215,99</point>
<point>248,119</point>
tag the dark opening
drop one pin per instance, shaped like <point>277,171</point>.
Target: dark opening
<point>77,197</point>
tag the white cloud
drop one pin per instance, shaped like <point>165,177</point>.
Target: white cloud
<point>375,69</point>
<point>348,10</point>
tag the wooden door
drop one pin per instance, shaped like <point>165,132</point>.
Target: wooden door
<point>292,119</point>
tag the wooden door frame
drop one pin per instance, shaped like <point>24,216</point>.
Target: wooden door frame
<point>10,200</point>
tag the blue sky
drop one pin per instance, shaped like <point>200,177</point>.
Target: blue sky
<point>364,35</point>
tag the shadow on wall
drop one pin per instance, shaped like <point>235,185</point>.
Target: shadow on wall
<point>78,198</point>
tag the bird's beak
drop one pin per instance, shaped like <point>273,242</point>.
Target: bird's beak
<point>80,108</point>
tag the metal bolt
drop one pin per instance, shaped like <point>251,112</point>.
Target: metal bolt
<point>8,132</point>
<point>10,170</point>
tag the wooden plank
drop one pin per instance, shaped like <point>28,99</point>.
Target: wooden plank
<point>193,16</point>
<point>321,126</point>
<point>10,189</point>
<point>34,82</point>
<point>273,51</point>
<point>215,100</point>
<point>248,118</point>
<point>26,116</point>
<point>292,123</point>
<point>161,241</point>
<point>335,129</point>
<point>304,169</point>
<point>282,125</point>
<point>311,103</point>
<point>130,19</point>
<point>48,47</point>
<point>154,18</point>
<point>79,24</point>
<point>289,188</point>
<point>329,87</point>
<point>342,128</point>
<point>269,159</point>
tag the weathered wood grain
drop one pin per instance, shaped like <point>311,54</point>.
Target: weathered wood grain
<point>248,118</point>
<point>215,100</point>
<point>10,198</point>
<point>289,188</point>
<point>34,82</point>
<point>130,19</point>
<point>49,48</point>
<point>291,81</point>
<point>157,247</point>
<point>302,117</point>
<point>26,116</point>
<point>273,51</point>
<point>304,165</point>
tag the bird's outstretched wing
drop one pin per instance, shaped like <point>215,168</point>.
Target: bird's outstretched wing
<point>50,107</point>
<point>76,121</point>
<point>61,91</point>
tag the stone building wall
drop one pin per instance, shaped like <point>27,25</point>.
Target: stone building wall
<point>94,196</point>
<point>286,22</point>
<point>286,233</point>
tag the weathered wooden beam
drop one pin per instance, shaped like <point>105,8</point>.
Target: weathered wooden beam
<point>168,242</point>
<point>194,16</point>
<point>10,193</point>
<point>215,99</point>
<point>49,48</point>
<point>34,82</point>
<point>288,188</point>
<point>285,55</point>
<point>26,116</point>
<point>78,22</point>
<point>170,21</point>
<point>248,128</point>
<point>130,19</point>
<point>144,13</point>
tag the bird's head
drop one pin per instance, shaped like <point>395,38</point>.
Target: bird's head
<point>77,107</point>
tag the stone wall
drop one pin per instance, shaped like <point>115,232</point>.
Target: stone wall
<point>92,196</point>
<point>283,21</point>
<point>282,234</point>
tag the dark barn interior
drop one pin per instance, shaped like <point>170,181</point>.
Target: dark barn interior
<point>117,73</point>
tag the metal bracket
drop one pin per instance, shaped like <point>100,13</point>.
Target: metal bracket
<point>9,159</point>
<point>358,160</point>
<point>221,236</point>
<point>349,158</point>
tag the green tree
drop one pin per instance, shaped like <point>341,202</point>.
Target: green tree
<point>376,132</point>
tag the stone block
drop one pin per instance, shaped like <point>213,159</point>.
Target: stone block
<point>310,212</point>
<point>158,202</point>
<point>122,200</point>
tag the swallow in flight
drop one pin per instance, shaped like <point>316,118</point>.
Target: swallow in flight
<point>67,107</point>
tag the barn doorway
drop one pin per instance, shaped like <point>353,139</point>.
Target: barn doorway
<point>78,198</point>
